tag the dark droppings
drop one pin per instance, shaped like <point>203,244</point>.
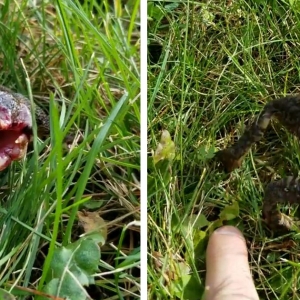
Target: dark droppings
<point>287,190</point>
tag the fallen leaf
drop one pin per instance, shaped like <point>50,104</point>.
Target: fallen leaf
<point>92,222</point>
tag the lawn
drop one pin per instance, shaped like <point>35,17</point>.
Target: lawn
<point>70,216</point>
<point>212,66</point>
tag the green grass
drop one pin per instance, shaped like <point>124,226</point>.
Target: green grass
<point>81,64</point>
<point>220,63</point>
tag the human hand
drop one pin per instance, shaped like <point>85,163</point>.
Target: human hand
<point>228,274</point>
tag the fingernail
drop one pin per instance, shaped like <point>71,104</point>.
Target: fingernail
<point>228,230</point>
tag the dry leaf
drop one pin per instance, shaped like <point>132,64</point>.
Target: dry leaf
<point>92,222</point>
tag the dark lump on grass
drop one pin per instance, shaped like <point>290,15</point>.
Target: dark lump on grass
<point>287,190</point>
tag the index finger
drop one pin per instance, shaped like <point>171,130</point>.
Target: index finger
<point>228,274</point>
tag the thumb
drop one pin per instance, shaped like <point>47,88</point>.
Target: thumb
<point>228,275</point>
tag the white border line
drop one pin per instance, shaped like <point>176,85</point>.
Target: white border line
<point>143,134</point>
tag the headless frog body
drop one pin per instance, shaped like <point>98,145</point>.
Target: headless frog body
<point>287,190</point>
<point>16,126</point>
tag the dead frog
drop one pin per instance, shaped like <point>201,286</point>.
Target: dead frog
<point>287,190</point>
<point>16,126</point>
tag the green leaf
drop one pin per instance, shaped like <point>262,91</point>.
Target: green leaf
<point>5,295</point>
<point>205,153</point>
<point>60,260</point>
<point>81,276</point>
<point>131,258</point>
<point>186,284</point>
<point>87,256</point>
<point>197,221</point>
<point>67,287</point>
<point>230,212</point>
<point>154,12</point>
<point>71,269</point>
